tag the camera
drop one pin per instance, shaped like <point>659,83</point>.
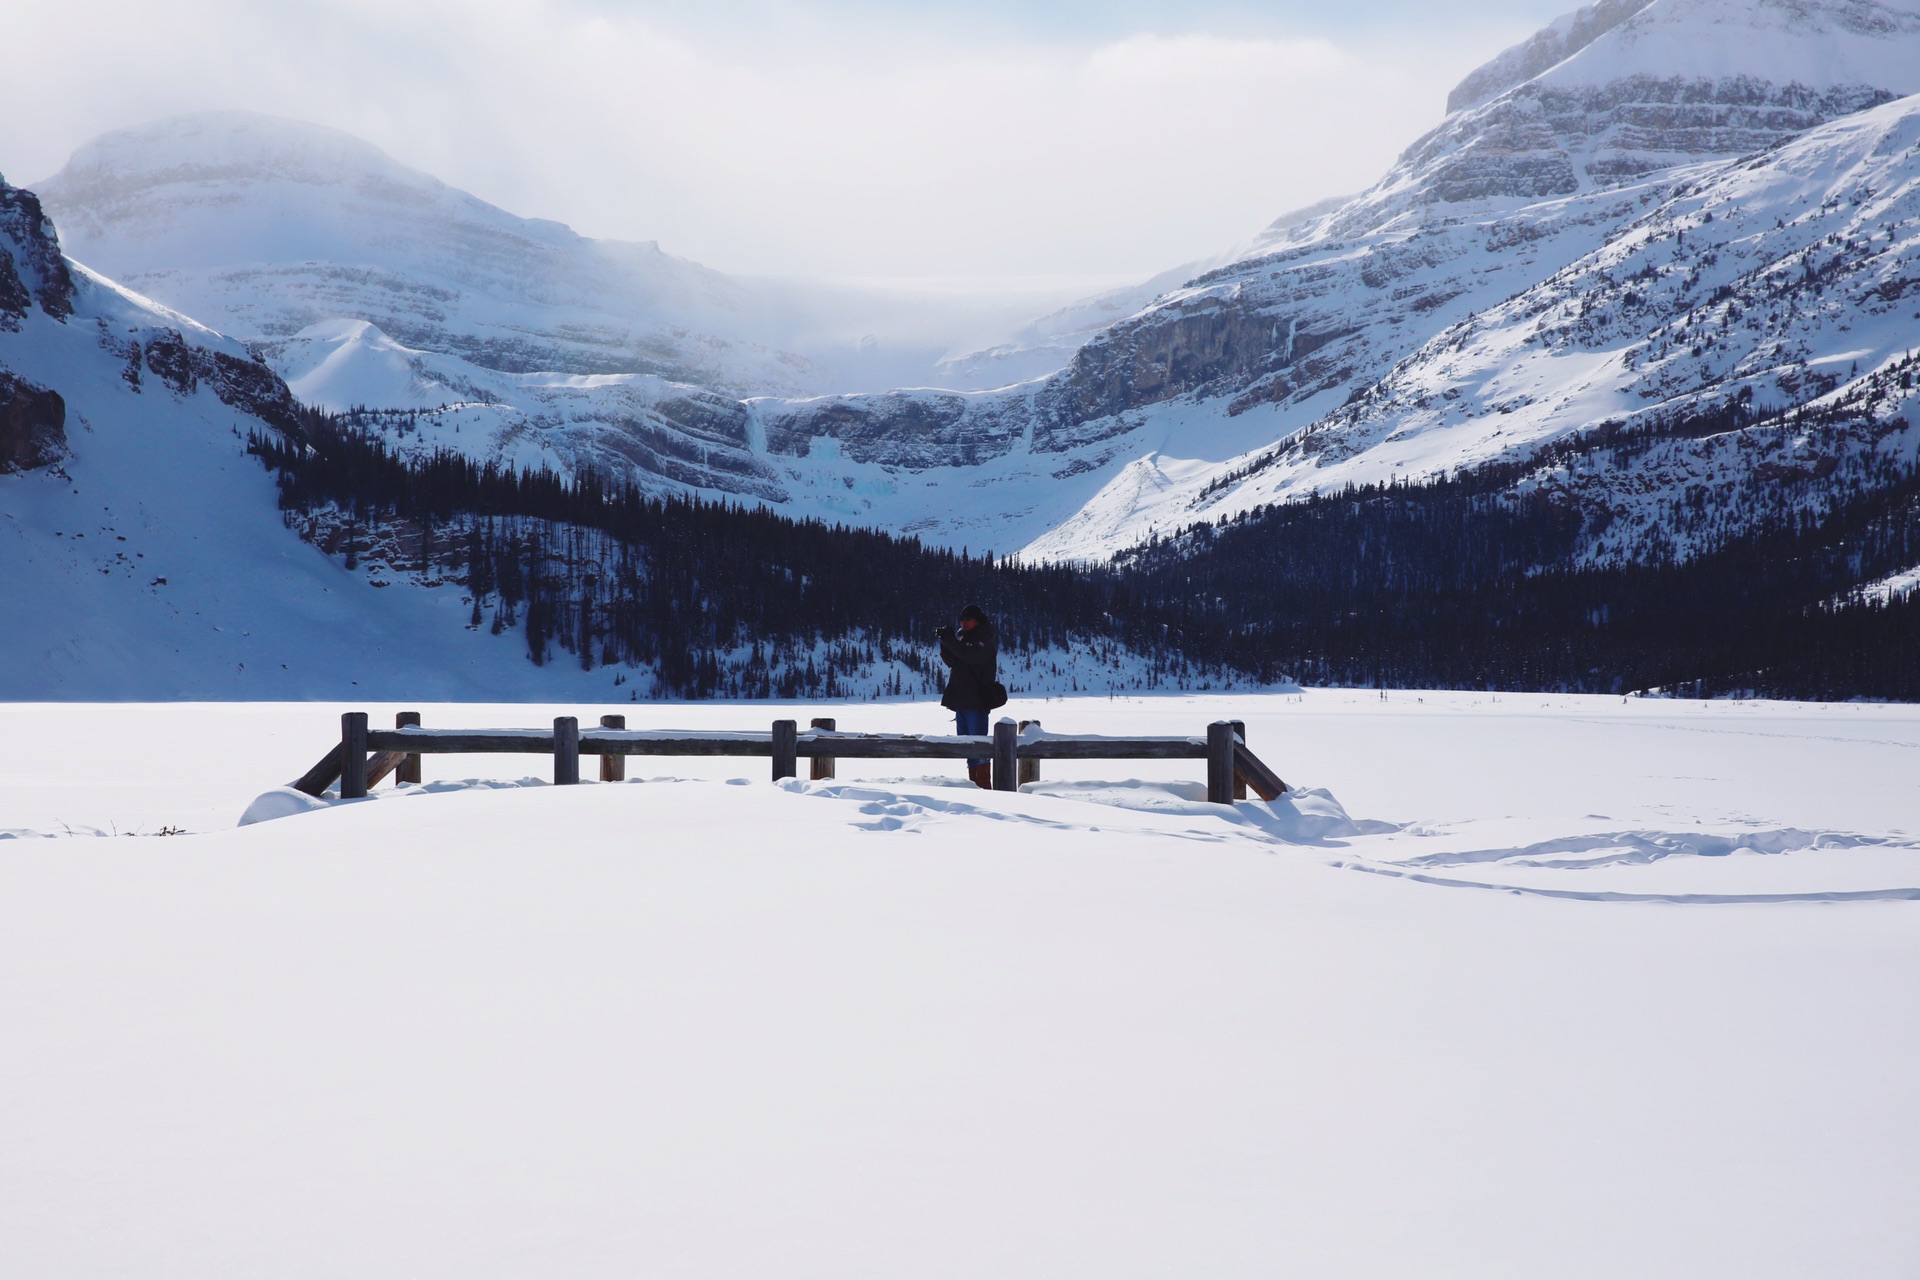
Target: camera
<point>943,633</point>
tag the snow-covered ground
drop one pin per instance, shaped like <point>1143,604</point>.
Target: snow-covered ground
<point>891,1025</point>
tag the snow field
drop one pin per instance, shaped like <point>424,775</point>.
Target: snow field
<point>876,1027</point>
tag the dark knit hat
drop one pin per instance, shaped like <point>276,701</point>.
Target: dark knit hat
<point>975,612</point>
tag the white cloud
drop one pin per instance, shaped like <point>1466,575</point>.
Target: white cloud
<point>1201,58</point>
<point>844,147</point>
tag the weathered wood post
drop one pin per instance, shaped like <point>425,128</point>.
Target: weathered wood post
<point>613,768</point>
<point>1006,756</point>
<point>1220,745</point>
<point>1240,736</point>
<point>1029,767</point>
<point>566,751</point>
<point>786,749</point>
<point>353,755</point>
<point>409,769</point>
<point>822,765</point>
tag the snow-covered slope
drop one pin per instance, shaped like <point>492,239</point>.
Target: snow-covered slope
<point>142,553</point>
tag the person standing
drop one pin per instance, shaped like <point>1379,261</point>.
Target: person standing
<point>972,652</point>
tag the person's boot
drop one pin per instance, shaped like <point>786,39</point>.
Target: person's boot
<point>982,775</point>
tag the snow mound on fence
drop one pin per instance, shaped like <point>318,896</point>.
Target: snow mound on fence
<point>285,802</point>
<point>281,802</point>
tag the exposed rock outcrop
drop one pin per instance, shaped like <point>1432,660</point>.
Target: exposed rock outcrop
<point>247,385</point>
<point>33,425</point>
<point>912,429</point>
<point>1546,140</point>
<point>31,267</point>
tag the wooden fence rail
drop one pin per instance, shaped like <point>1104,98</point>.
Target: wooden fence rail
<point>363,757</point>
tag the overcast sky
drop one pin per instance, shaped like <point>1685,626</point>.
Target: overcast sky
<point>873,138</point>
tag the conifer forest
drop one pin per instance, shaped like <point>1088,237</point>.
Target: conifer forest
<point>1476,580</point>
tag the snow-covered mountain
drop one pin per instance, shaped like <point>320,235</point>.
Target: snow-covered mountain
<point>1788,281</point>
<point>1561,157</point>
<point>147,552</point>
<point>369,284</point>
<point>1398,333</point>
<point>142,553</point>
<point>263,227</point>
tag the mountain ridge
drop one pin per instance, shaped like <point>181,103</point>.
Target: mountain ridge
<point>1553,151</point>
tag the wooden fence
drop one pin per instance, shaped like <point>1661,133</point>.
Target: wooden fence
<point>364,757</point>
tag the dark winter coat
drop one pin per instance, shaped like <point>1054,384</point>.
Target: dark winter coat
<point>975,659</point>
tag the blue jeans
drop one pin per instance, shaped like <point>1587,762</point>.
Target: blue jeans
<point>969,724</point>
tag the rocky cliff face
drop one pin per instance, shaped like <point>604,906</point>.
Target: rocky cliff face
<point>32,270</point>
<point>33,425</point>
<point>33,275</point>
<point>1544,140</point>
<point>918,430</point>
<point>242,383</point>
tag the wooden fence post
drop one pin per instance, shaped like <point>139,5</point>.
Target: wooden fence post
<point>786,754</point>
<point>613,768</point>
<point>822,765</point>
<point>409,770</point>
<point>1029,767</point>
<point>1006,756</point>
<point>353,755</point>
<point>1220,745</point>
<point>1240,735</point>
<point>566,751</point>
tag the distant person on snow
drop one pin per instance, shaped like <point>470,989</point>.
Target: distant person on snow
<point>973,687</point>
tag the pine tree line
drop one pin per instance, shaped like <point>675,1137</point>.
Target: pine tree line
<point>1464,581</point>
<point>717,599</point>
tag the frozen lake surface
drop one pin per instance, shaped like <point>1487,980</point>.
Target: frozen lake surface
<point>1513,985</point>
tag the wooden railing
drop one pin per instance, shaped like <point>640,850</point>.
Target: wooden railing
<point>364,757</point>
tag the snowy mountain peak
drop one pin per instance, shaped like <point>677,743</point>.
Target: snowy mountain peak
<point>1613,93</point>
<point>343,364</point>
<point>224,145</point>
<point>1816,44</point>
<point>263,227</point>
<point>211,191</point>
<point>1545,48</point>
